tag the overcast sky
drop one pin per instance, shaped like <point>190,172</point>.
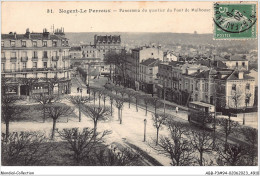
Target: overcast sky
<point>17,16</point>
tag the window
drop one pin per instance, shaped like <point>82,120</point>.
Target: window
<point>45,64</point>
<point>243,64</point>
<point>54,43</point>
<point>12,43</point>
<point>34,64</point>
<point>35,54</point>
<point>54,64</point>
<point>3,66</point>
<point>24,54</point>
<point>206,87</point>
<point>248,86</point>
<point>45,54</point>
<point>24,64</point>
<point>23,43</point>
<point>34,44</point>
<point>44,43</point>
<point>152,54</point>
<point>234,87</point>
<point>2,55</point>
<point>2,43</point>
<point>236,64</point>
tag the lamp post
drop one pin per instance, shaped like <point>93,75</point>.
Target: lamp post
<point>145,121</point>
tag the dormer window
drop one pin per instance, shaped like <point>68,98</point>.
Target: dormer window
<point>23,43</point>
<point>44,43</point>
<point>12,43</point>
<point>54,43</point>
<point>34,44</point>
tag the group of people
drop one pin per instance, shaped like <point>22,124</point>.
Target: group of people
<point>79,89</point>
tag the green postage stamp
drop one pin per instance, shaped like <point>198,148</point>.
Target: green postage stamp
<point>235,21</point>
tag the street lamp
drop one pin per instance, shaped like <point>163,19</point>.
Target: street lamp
<point>145,121</point>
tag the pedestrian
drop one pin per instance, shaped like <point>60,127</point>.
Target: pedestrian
<point>78,89</point>
<point>177,109</point>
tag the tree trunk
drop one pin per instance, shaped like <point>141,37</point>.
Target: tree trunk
<point>111,108</point>
<point>44,115</point>
<point>146,110</point>
<point>7,129</point>
<point>121,116</point>
<point>136,105</point>
<point>118,113</point>
<point>99,101</point>
<point>53,129</point>
<point>157,135</point>
<point>155,109</point>
<point>94,99</point>
<point>79,114</point>
<point>110,70</point>
<point>104,102</point>
<point>201,158</point>
<point>95,129</point>
<point>129,103</point>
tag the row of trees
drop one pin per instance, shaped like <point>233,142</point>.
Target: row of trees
<point>79,147</point>
<point>188,145</point>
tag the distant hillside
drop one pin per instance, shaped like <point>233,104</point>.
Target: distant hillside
<point>162,38</point>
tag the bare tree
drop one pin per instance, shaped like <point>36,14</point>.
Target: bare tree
<point>155,102</point>
<point>94,91</point>
<point>111,98</point>
<point>130,93</point>
<point>28,82</point>
<point>44,100</point>
<point>83,144</point>
<point>9,110</point>
<point>176,147</point>
<point>146,99</point>
<point>231,154</point>
<point>78,101</point>
<point>117,89</point>
<point>97,114</point>
<point>201,141</point>
<point>228,126</point>
<point>25,149</point>
<point>251,137</point>
<point>119,103</point>
<point>56,111</point>
<point>100,92</point>
<point>159,120</point>
<point>137,98</point>
<point>116,157</point>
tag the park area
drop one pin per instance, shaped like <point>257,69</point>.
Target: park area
<point>114,126</point>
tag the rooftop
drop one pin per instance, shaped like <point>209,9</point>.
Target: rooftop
<point>150,62</point>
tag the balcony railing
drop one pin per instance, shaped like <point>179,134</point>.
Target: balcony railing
<point>55,58</point>
<point>35,70</point>
<point>13,59</point>
<point>65,58</point>
<point>3,59</point>
<point>35,58</point>
<point>24,59</point>
<point>45,58</point>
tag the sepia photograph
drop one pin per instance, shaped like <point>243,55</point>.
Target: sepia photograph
<point>133,83</point>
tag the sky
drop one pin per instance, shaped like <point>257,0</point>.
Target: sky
<point>17,16</point>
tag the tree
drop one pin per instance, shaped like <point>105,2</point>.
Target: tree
<point>228,126</point>
<point>117,89</point>
<point>111,98</point>
<point>155,102</point>
<point>137,98</point>
<point>115,157</point>
<point>28,82</point>
<point>94,91</point>
<point>158,120</point>
<point>9,110</point>
<point>78,101</point>
<point>44,100</point>
<point>112,58</point>
<point>100,92</point>
<point>146,99</point>
<point>96,114</point>
<point>236,97</point>
<point>83,143</point>
<point>231,154</point>
<point>251,137</point>
<point>55,111</point>
<point>25,149</point>
<point>119,102</point>
<point>202,142</point>
<point>130,93</point>
<point>176,147</point>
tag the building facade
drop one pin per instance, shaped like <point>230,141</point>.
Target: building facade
<point>148,75</point>
<point>36,56</point>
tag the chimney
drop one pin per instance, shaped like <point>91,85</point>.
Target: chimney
<point>15,35</point>
<point>240,75</point>
<point>28,34</point>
